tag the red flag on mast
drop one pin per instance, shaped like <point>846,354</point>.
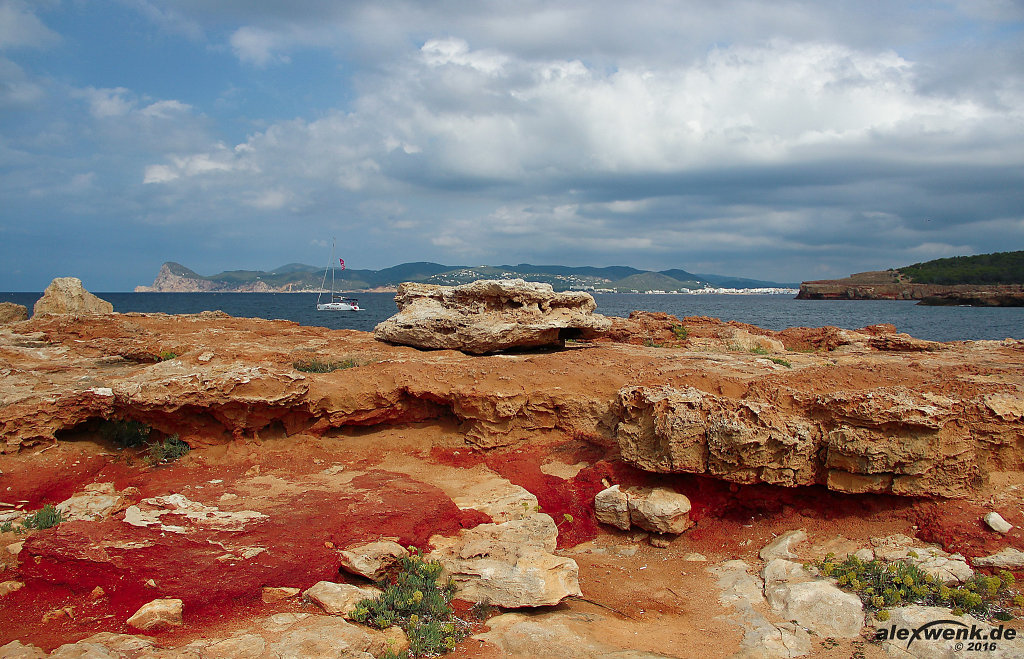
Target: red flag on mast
<point>342,263</point>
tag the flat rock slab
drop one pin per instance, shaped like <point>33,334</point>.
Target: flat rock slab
<point>489,315</point>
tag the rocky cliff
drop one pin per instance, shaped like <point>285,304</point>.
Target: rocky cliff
<point>889,285</point>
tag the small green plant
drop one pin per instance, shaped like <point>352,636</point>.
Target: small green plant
<point>758,350</point>
<point>123,433</point>
<point>414,601</point>
<point>881,585</point>
<point>45,518</point>
<point>317,365</point>
<point>165,355</point>
<point>680,332</point>
<point>781,362</point>
<point>6,527</point>
<point>166,451</point>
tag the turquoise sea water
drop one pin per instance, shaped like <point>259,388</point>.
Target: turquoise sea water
<point>769,311</point>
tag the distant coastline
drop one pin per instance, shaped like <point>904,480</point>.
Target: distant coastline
<point>300,278</point>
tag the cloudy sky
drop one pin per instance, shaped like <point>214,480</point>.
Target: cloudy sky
<point>783,140</point>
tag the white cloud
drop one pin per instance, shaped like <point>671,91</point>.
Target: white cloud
<point>20,28</point>
<point>256,46</point>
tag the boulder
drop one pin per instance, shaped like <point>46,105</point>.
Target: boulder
<point>818,605</point>
<point>658,509</point>
<point>372,560</point>
<point>611,505</point>
<point>489,315</point>
<point>339,599</point>
<point>511,564</point>
<point>157,615</point>
<point>996,522</point>
<point>65,295</point>
<point>12,313</point>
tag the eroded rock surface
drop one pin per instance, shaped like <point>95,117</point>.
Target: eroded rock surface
<point>489,315</point>
<point>855,419</point>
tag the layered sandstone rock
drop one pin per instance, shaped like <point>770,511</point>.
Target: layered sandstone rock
<point>65,295</point>
<point>888,439</point>
<point>489,315</point>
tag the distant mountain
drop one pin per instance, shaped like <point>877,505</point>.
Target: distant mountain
<point>299,277</point>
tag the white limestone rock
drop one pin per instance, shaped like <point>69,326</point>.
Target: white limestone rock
<point>339,599</point>
<point>914,617</point>
<point>659,510</point>
<point>372,560</point>
<point>511,564</point>
<point>817,605</point>
<point>782,546</point>
<point>489,315</point>
<point>156,615</point>
<point>95,502</point>
<point>1008,559</point>
<point>611,505</point>
<point>996,522</point>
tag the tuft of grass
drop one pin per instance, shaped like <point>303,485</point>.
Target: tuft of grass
<point>45,518</point>
<point>781,362</point>
<point>123,433</point>
<point>758,350</point>
<point>414,601</point>
<point>317,365</point>
<point>166,451</point>
<point>881,585</point>
<point>681,332</point>
<point>165,355</point>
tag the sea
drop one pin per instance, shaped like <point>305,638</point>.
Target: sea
<point>774,312</point>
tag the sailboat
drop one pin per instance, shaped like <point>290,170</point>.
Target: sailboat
<point>338,302</point>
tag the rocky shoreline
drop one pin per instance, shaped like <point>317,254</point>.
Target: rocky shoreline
<point>887,285</point>
<point>512,468</point>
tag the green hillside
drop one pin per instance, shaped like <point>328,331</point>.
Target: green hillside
<point>996,268</point>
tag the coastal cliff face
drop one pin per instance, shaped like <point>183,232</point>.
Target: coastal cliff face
<point>888,285</point>
<point>169,281</point>
<point>491,463</point>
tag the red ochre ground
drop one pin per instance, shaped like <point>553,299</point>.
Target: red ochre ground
<point>310,519</point>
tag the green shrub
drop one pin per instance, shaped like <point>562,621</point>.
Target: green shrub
<point>781,362</point>
<point>166,451</point>
<point>6,527</point>
<point>164,355</point>
<point>414,601</point>
<point>316,365</point>
<point>680,332</point>
<point>123,433</point>
<point>45,518</point>
<point>898,583</point>
<point>758,350</point>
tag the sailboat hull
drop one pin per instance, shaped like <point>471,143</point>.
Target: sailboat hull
<point>337,306</point>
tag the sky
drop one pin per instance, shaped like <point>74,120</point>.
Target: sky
<point>785,140</point>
